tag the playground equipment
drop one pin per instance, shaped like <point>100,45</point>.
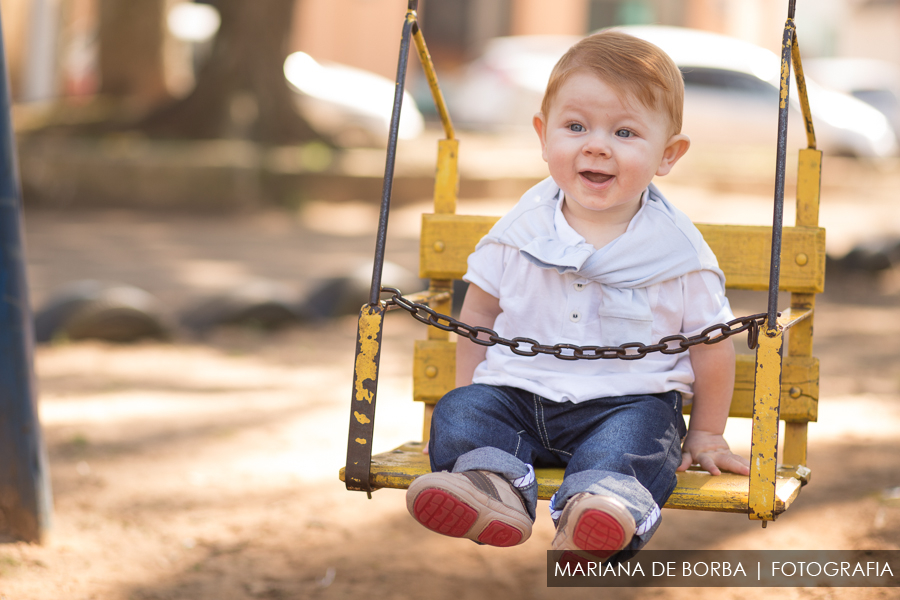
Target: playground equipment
<point>773,386</point>
<point>25,499</point>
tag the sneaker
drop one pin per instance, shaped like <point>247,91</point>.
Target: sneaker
<point>594,525</point>
<point>478,505</point>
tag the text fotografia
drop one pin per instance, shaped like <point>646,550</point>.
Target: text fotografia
<point>715,568</point>
<point>729,568</point>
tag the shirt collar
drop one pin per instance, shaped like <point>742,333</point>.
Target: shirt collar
<point>567,234</point>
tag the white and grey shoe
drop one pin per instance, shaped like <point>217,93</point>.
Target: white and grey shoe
<point>594,526</point>
<point>478,505</point>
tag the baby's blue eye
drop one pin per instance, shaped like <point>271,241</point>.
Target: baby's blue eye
<point>624,133</point>
<point>578,127</point>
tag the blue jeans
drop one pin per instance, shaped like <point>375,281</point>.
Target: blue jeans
<point>627,447</point>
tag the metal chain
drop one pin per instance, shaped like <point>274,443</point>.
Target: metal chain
<point>629,351</point>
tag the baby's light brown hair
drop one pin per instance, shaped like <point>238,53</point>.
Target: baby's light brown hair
<point>630,66</point>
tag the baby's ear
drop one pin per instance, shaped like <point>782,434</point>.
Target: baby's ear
<point>540,126</point>
<point>677,145</point>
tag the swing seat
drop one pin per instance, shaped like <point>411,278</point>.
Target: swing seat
<point>696,490</point>
<point>780,384</point>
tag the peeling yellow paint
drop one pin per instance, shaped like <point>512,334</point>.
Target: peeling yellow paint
<point>784,85</point>
<point>366,373</point>
<point>361,441</point>
<point>786,64</point>
<point>363,419</point>
<point>767,398</point>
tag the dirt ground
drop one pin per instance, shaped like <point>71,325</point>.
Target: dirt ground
<point>207,469</point>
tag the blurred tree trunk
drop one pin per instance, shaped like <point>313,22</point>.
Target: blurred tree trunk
<point>241,92</point>
<point>132,47</point>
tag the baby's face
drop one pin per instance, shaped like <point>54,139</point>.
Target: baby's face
<point>603,148</point>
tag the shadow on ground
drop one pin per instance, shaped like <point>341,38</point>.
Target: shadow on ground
<point>207,469</point>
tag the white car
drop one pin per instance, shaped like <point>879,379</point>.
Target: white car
<point>503,88</point>
<point>875,82</point>
<point>731,93</point>
<point>349,105</point>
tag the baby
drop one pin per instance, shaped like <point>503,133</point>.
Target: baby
<point>593,255</point>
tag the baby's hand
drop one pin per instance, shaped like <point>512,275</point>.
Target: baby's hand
<point>711,452</point>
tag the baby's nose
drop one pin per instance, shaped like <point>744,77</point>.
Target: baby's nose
<point>596,145</point>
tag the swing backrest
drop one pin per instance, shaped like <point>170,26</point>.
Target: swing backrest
<point>743,254</point>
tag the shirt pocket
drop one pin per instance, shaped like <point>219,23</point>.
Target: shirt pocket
<point>618,329</point>
<point>625,317</point>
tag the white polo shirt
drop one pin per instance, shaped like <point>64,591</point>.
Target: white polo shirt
<point>551,307</point>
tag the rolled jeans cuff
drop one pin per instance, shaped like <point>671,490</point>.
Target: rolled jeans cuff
<point>627,489</point>
<point>519,474</point>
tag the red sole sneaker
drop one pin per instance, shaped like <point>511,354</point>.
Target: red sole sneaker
<point>500,535</point>
<point>598,533</point>
<point>479,506</point>
<point>444,513</point>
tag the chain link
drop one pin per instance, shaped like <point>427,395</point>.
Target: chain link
<point>630,351</point>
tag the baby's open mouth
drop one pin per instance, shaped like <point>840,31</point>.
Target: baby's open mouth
<point>596,177</point>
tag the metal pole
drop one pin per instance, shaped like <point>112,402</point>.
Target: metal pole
<point>780,166</point>
<point>25,498</point>
<point>381,240</point>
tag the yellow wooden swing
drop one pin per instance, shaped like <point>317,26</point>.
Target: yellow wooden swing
<point>774,385</point>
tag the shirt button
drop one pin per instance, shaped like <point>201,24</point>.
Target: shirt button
<point>575,316</point>
<point>579,287</point>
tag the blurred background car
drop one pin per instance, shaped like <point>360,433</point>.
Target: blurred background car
<point>731,93</point>
<point>502,89</point>
<point>875,82</point>
<point>348,105</point>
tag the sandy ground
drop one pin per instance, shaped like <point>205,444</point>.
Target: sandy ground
<point>207,469</point>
